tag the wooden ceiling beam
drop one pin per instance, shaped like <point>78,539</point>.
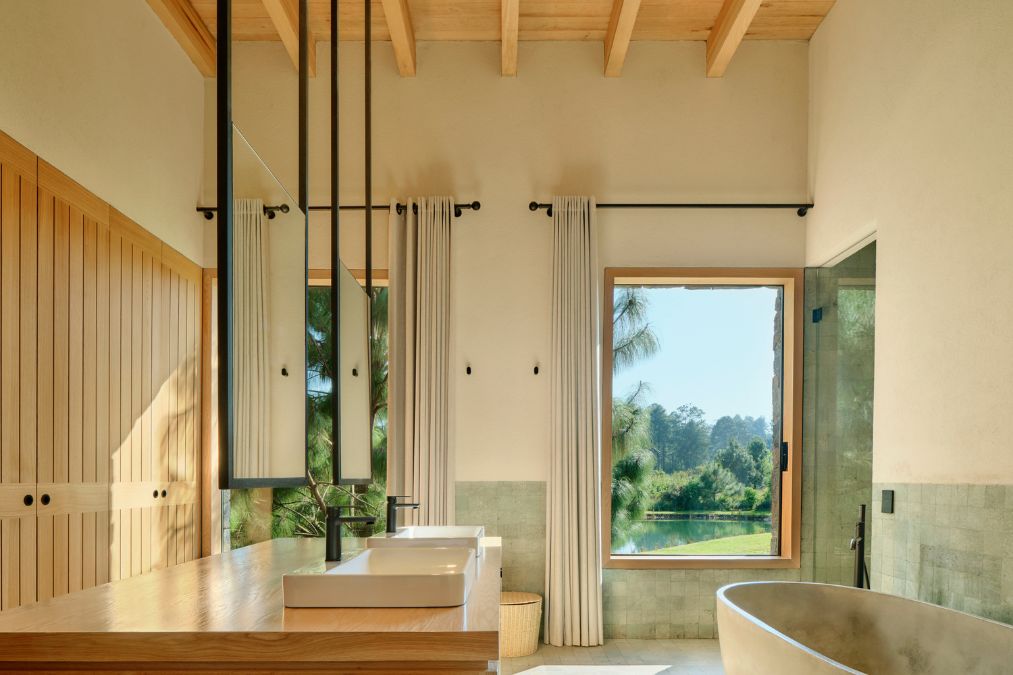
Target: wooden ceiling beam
<point>727,34</point>
<point>402,35</point>
<point>617,39</point>
<point>186,25</point>
<point>510,16</point>
<point>285,17</point>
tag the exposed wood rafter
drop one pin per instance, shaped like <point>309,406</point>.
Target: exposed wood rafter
<point>728,32</point>
<point>186,25</point>
<point>617,39</point>
<point>285,17</point>
<point>510,15</point>
<point>402,35</point>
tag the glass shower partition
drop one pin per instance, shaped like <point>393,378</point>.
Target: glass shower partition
<point>839,377</point>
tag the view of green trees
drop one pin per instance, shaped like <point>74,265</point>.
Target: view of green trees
<point>260,514</point>
<point>672,464</point>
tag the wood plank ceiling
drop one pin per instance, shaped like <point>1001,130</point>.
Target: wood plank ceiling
<point>723,24</point>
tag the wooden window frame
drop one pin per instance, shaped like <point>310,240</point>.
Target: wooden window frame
<point>792,280</point>
<point>322,277</point>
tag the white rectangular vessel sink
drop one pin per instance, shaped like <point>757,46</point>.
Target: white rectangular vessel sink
<point>466,536</point>
<point>386,577</point>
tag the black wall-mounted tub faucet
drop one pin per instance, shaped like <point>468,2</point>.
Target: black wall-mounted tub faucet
<point>392,506</point>
<point>332,551</point>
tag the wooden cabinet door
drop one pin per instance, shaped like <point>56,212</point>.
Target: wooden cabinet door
<point>73,387</point>
<point>182,460</point>
<point>18,232</point>
<point>154,508</point>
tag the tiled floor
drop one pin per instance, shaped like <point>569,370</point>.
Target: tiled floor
<point>674,657</point>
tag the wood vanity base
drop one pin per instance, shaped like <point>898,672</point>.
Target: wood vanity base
<point>360,668</point>
<point>226,614</point>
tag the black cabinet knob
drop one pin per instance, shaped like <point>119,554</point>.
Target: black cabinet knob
<point>155,494</point>
<point>29,500</point>
<point>45,500</point>
<point>164,493</point>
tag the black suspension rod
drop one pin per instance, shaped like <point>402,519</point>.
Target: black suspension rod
<point>367,41</point>
<point>304,124</point>
<point>800,209</point>
<point>335,299</point>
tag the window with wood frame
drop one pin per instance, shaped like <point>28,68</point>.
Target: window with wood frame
<point>701,393</point>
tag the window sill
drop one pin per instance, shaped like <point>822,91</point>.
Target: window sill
<point>705,562</point>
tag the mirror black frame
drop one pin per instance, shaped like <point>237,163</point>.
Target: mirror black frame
<point>225,239</point>
<point>336,477</point>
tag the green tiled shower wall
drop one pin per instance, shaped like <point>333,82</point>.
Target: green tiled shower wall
<point>950,545</point>
<point>838,376</point>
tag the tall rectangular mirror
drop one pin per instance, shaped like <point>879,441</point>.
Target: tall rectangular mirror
<point>353,463</point>
<point>265,293</point>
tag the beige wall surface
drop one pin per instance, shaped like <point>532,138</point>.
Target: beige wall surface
<point>911,138</point>
<point>103,92</point>
<point>661,132</point>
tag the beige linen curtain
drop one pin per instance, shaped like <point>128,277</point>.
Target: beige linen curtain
<point>251,359</point>
<point>420,425</point>
<point>573,608</point>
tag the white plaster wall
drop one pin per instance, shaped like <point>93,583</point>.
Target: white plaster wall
<point>911,138</point>
<point>100,90</point>
<point>661,132</point>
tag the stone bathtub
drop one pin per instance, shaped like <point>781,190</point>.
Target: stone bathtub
<point>793,628</point>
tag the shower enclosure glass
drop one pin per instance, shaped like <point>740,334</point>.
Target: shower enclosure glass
<point>839,357</point>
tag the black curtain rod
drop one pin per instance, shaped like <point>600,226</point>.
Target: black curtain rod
<point>800,209</point>
<point>271,211</point>
<point>473,206</point>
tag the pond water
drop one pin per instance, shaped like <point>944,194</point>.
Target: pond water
<point>650,535</point>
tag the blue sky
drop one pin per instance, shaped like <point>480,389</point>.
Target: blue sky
<point>715,351</point>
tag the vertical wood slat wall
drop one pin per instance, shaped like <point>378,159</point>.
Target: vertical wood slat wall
<point>99,389</point>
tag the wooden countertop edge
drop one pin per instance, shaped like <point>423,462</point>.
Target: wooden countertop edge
<point>218,647</point>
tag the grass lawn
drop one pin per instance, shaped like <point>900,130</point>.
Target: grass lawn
<point>765,512</point>
<point>744,544</point>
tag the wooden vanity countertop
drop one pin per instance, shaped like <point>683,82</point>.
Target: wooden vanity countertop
<point>226,612</point>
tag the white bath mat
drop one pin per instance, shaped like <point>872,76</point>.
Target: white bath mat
<point>599,670</point>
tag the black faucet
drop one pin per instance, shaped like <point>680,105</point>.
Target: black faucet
<point>333,528</point>
<point>392,507</point>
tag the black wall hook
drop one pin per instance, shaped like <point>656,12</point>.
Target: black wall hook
<point>284,371</point>
<point>536,369</point>
<point>468,369</point>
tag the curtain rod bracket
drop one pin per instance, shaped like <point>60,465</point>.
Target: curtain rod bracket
<point>269,211</point>
<point>534,206</point>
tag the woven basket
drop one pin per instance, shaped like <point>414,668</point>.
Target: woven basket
<point>520,616</point>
